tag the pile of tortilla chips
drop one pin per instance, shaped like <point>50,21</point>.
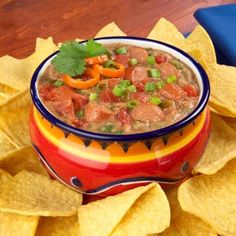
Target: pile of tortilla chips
<point>33,204</point>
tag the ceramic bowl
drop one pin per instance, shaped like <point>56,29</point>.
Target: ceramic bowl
<point>105,164</point>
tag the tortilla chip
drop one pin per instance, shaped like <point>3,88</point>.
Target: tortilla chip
<point>4,177</point>
<point>110,29</point>
<point>33,194</point>
<point>220,149</point>
<point>200,40</point>
<point>6,144</point>
<point>14,224</point>
<point>20,100</point>
<point>166,32</point>
<point>212,198</point>
<point>24,158</point>
<point>223,88</point>
<point>182,223</point>
<point>138,211</point>
<point>197,55</point>
<point>58,226</point>
<point>231,122</point>
<point>18,131</point>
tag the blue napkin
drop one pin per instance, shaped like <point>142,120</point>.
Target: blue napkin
<point>220,23</point>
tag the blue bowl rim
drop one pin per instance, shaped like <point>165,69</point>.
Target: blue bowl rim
<point>125,137</point>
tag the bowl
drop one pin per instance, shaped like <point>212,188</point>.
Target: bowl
<point>106,164</point>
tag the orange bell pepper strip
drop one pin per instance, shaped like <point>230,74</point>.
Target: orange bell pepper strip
<point>119,71</point>
<point>80,84</point>
<point>96,60</point>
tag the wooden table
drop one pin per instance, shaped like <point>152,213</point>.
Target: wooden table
<point>21,21</point>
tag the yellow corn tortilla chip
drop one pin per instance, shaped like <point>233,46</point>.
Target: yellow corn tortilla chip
<point>200,40</point>
<point>110,29</point>
<point>16,126</point>
<point>58,226</point>
<point>212,198</point>
<point>197,55</point>
<point>220,149</point>
<point>20,159</point>
<point>4,177</point>
<point>166,32</point>
<point>17,225</point>
<point>230,121</point>
<point>183,223</point>
<point>29,193</point>
<point>20,100</point>
<point>138,211</point>
<point>223,88</point>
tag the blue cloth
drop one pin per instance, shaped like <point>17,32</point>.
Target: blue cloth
<point>220,23</point>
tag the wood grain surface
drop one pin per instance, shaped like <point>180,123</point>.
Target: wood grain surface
<point>21,21</point>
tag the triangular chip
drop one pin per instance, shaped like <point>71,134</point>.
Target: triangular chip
<point>220,149</point>
<point>183,223</point>
<point>212,198</point>
<point>33,194</point>
<point>166,32</point>
<point>4,177</point>
<point>14,224</point>
<point>58,226</point>
<point>20,159</point>
<point>111,211</point>
<point>199,39</point>
<point>110,29</point>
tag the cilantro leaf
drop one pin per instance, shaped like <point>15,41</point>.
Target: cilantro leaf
<point>70,59</point>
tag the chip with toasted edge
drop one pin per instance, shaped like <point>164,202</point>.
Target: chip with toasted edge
<point>230,121</point>
<point>16,126</point>
<point>183,223</point>
<point>14,224</point>
<point>19,100</point>
<point>4,177</point>
<point>110,29</point>
<point>29,193</point>
<point>220,149</point>
<point>111,211</point>
<point>58,226</point>
<point>149,214</point>
<point>167,32</point>
<point>212,198</point>
<point>223,88</point>
<point>20,159</point>
<point>200,40</point>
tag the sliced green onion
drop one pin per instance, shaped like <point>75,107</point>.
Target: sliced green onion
<point>132,104</point>
<point>132,88</point>
<point>58,83</point>
<point>171,79</point>
<point>160,84</point>
<point>133,61</point>
<point>155,100</point>
<point>107,128</point>
<point>80,114</point>
<point>151,60</point>
<point>124,83</point>
<point>93,96</point>
<point>109,64</point>
<point>177,64</point>
<point>118,90</point>
<point>154,73</point>
<point>118,132</point>
<point>150,87</point>
<point>121,50</point>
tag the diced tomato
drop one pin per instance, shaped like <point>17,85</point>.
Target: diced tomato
<point>79,100</point>
<point>191,90</point>
<point>167,69</point>
<point>124,117</point>
<point>47,92</point>
<point>173,92</point>
<point>112,82</point>
<point>63,93</point>
<point>138,53</point>
<point>107,96</point>
<point>64,107</point>
<point>147,112</point>
<point>122,59</point>
<point>94,112</point>
<point>161,58</point>
<point>140,97</point>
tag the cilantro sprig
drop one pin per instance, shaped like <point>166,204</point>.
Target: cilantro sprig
<point>70,59</point>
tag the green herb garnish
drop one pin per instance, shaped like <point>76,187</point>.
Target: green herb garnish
<point>70,59</point>
<point>58,83</point>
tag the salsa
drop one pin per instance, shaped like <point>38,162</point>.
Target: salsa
<point>124,89</point>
